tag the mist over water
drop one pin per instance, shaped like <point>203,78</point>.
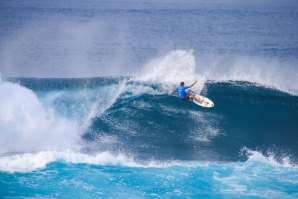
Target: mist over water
<point>75,39</point>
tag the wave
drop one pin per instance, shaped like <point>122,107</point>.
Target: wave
<point>108,114</point>
<point>140,117</point>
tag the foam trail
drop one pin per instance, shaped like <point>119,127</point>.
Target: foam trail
<point>206,128</point>
<point>26,125</point>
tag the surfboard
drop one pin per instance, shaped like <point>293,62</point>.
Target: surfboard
<point>207,103</point>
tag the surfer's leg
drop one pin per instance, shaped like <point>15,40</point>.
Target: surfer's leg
<point>194,98</point>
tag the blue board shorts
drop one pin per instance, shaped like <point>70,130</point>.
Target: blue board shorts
<point>186,98</point>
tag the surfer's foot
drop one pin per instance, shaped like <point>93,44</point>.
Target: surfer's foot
<point>200,100</point>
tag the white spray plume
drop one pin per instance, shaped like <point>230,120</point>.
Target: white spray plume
<point>25,125</point>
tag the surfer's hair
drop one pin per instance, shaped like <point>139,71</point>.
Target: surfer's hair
<point>181,83</point>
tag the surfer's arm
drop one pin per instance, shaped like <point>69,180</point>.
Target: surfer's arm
<point>174,90</point>
<point>193,84</point>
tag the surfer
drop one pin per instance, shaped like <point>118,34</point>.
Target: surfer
<point>185,94</point>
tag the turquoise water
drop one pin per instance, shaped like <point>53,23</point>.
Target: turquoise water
<point>234,180</point>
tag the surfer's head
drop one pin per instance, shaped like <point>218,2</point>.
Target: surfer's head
<point>181,83</point>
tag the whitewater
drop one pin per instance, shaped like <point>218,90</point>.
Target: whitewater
<point>87,108</point>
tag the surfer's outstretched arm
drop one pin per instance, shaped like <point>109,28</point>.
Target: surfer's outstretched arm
<point>193,84</point>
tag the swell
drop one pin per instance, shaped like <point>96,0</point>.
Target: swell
<point>145,122</point>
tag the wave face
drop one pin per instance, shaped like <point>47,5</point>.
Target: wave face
<point>144,134</point>
<point>142,119</point>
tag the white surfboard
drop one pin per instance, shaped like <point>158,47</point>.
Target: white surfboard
<point>205,102</point>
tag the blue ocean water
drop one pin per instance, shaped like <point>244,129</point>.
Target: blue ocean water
<point>86,108</point>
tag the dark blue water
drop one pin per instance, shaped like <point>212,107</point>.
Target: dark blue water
<point>160,126</point>
<point>86,109</point>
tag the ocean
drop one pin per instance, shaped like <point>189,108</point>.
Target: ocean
<point>87,108</point>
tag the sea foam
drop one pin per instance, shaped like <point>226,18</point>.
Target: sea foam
<point>26,125</point>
